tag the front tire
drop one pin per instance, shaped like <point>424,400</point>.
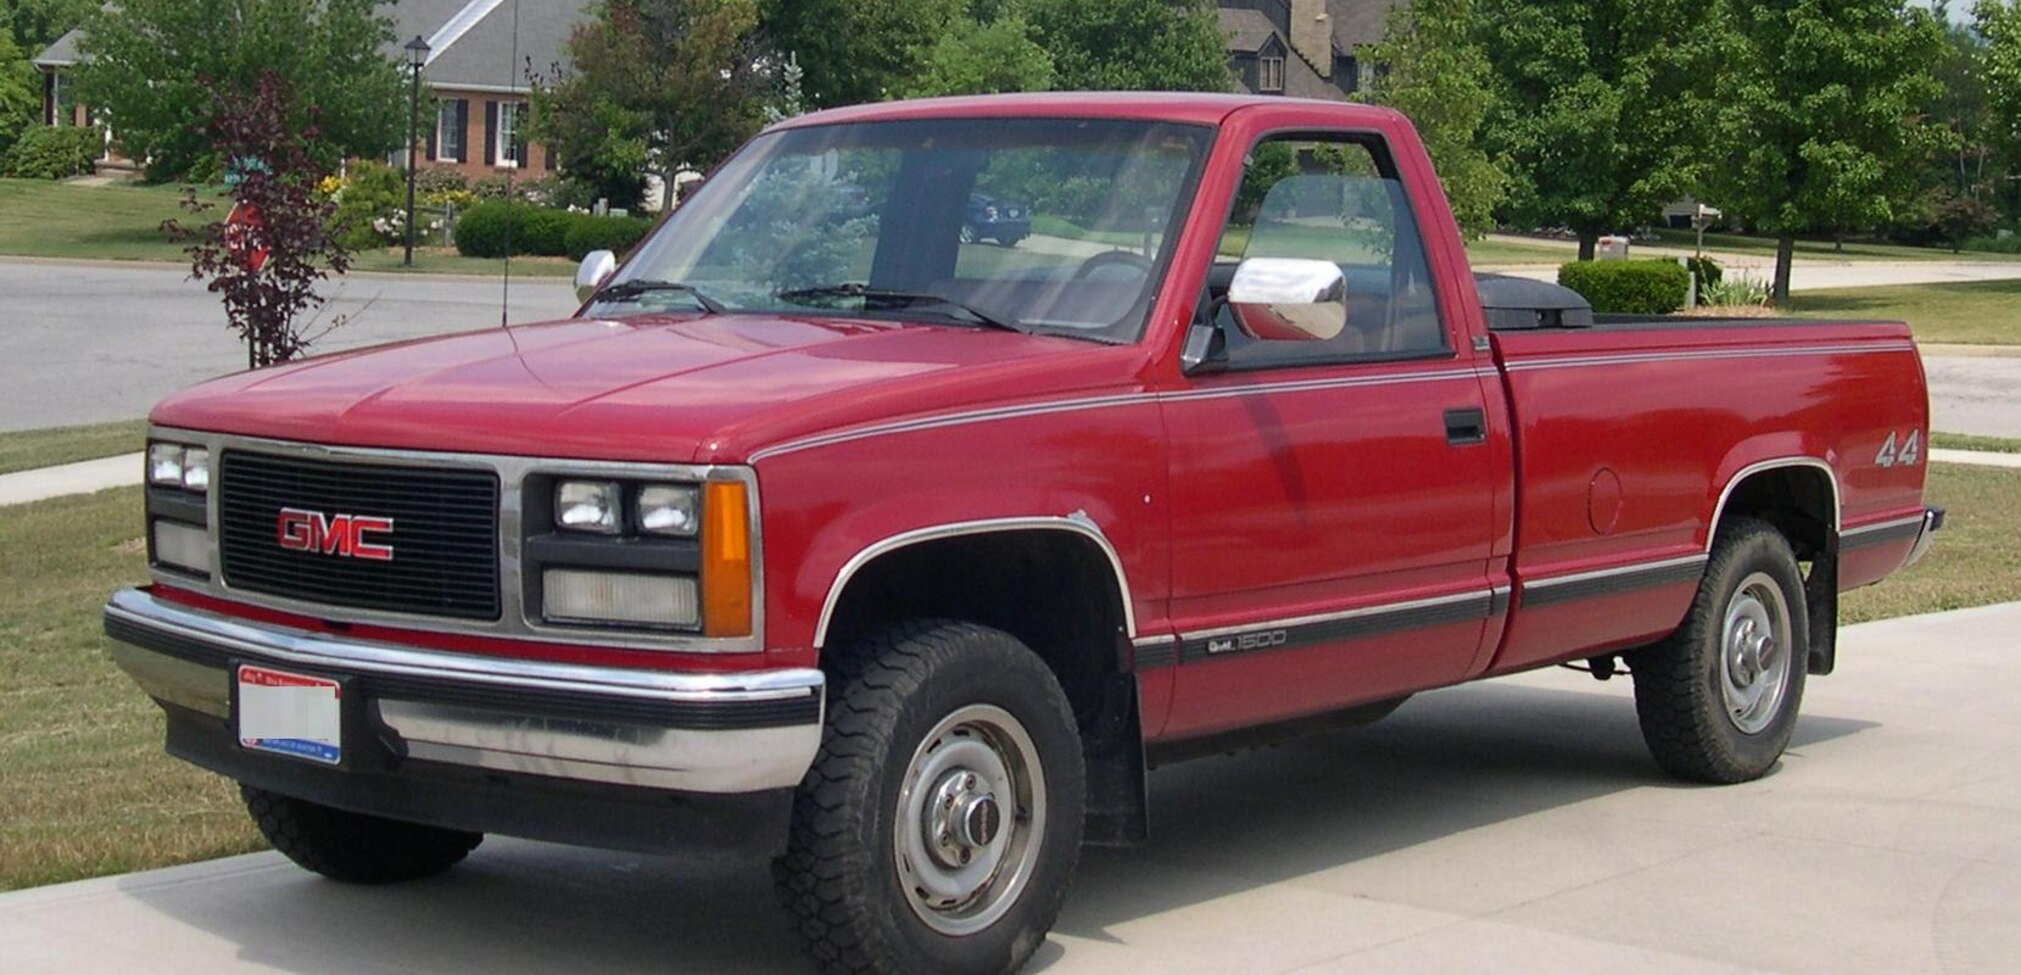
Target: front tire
<point>941,821</point>
<point>1718,699</point>
<point>353,847</point>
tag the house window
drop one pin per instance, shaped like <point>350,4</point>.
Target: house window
<point>449,123</point>
<point>1347,73</point>
<point>62,107</point>
<point>509,149</point>
<point>1271,77</point>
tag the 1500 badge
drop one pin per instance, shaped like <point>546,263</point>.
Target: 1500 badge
<point>1248,641</point>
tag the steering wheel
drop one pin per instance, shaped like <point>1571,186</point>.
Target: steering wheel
<point>1118,258</point>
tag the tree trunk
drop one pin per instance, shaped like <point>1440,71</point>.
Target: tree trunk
<point>1589,243</point>
<point>1785,254</point>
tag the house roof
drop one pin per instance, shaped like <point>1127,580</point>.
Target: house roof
<point>1247,30</point>
<point>474,41</point>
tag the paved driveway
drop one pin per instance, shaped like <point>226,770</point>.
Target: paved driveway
<point>88,343</point>
<point>1509,827</point>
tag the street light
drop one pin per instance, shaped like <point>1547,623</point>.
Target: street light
<point>417,56</point>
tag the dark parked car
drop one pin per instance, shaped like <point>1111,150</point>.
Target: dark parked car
<point>989,218</point>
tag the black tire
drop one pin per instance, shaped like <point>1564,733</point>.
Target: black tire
<point>841,875</point>
<point>1009,241</point>
<point>1696,730</point>
<point>353,847</point>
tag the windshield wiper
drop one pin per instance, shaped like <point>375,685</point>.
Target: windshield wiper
<point>631,290</point>
<point>900,298</point>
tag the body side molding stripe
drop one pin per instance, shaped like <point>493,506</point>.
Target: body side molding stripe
<point>1351,624</point>
<point>1612,582</point>
<point>1077,523</point>
<point>1892,530</point>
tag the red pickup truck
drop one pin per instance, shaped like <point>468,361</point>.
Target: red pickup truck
<point>823,535</point>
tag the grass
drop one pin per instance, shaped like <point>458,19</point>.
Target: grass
<point>1824,250</point>
<point>1975,313</point>
<point>1966,441</point>
<point>1976,559</point>
<point>89,791</point>
<point>122,222</point>
<point>29,449</point>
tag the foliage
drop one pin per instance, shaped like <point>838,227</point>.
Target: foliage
<point>35,24</point>
<point>1628,287</point>
<point>1961,217</point>
<point>373,196</point>
<point>1706,269</point>
<point>1132,45</point>
<point>1741,291</point>
<point>851,51</point>
<point>655,86</point>
<point>1595,108</point>
<point>53,152</point>
<point>149,63</point>
<point>441,179</point>
<point>2010,244</point>
<point>616,234</point>
<point>1999,23</point>
<point>493,229</point>
<point>20,90</point>
<point>1438,76</point>
<point>977,58</point>
<point>1822,121</point>
<point>271,139</point>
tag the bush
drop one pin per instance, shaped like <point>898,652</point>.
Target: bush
<point>2010,244</point>
<point>372,199</point>
<point>1708,270</point>
<point>439,179</point>
<point>1743,291</point>
<point>617,234</point>
<point>53,152</point>
<point>485,228</point>
<point>1628,287</point>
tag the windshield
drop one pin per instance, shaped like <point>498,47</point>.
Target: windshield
<point>1041,225</point>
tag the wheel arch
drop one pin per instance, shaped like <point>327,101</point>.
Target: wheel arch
<point>1800,495</point>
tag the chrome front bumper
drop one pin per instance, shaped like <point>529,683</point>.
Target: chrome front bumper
<point>700,733</point>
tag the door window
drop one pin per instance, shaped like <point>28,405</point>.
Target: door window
<point>1339,201</point>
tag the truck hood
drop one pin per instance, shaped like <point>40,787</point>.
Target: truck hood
<point>705,389</point>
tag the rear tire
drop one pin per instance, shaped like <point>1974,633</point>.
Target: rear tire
<point>941,821</point>
<point>1718,698</point>
<point>353,847</point>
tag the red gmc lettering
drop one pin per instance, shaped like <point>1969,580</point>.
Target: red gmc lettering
<point>301,530</point>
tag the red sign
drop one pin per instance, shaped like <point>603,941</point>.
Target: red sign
<point>245,236</point>
<point>301,530</point>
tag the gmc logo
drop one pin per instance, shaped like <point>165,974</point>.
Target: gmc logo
<point>299,530</point>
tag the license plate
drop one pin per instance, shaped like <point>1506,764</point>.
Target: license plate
<point>290,714</point>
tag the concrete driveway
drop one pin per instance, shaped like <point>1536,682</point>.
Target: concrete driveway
<point>1509,827</point>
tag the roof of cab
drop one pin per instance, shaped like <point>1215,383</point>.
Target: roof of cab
<point>1197,108</point>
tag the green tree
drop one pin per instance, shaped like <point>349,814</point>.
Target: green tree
<point>1823,118</point>
<point>654,87</point>
<point>978,58</point>
<point>1999,72</point>
<point>1132,45</point>
<point>20,92</point>
<point>36,24</point>
<point>855,51</point>
<point>1435,73</point>
<point>1598,108</point>
<point>149,65</point>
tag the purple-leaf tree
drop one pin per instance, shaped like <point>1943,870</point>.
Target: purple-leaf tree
<point>268,254</point>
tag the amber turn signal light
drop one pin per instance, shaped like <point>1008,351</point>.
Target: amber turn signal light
<point>726,560</point>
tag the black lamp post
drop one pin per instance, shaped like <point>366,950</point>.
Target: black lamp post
<point>417,56</point>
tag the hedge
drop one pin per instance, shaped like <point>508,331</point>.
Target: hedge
<point>53,152</point>
<point>1628,287</point>
<point>484,230</point>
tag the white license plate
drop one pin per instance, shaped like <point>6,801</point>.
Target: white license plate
<point>290,714</point>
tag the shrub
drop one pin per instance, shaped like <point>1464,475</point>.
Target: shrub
<point>53,152</point>
<point>1708,270</point>
<point>439,179</point>
<point>2010,244</point>
<point>617,234</point>
<point>542,232</point>
<point>373,197</point>
<point>1628,287</point>
<point>487,229</point>
<point>1743,290</point>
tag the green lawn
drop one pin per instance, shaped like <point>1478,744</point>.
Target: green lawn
<point>1825,250</point>
<point>122,222</point>
<point>1964,441</point>
<point>1976,559</point>
<point>29,449</point>
<point>1977,313</point>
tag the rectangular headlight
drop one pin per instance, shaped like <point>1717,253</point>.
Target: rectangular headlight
<point>584,596</point>
<point>164,464</point>
<point>196,469</point>
<point>589,506</point>
<point>180,546</point>
<point>668,509</point>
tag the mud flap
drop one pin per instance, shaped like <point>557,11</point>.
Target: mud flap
<point>1118,801</point>
<point>1821,597</point>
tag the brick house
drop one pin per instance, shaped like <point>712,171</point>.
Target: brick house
<point>474,90</point>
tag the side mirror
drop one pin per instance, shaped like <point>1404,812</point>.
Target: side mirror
<point>594,270</point>
<point>1288,300</point>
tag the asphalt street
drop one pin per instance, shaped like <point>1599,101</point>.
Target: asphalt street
<point>89,343</point>
<point>1516,826</point>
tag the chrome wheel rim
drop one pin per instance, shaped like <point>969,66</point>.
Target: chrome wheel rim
<point>1755,655</point>
<point>967,234</point>
<point>971,817</point>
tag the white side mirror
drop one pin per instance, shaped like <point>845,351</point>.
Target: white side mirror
<point>595,269</point>
<point>1289,300</point>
